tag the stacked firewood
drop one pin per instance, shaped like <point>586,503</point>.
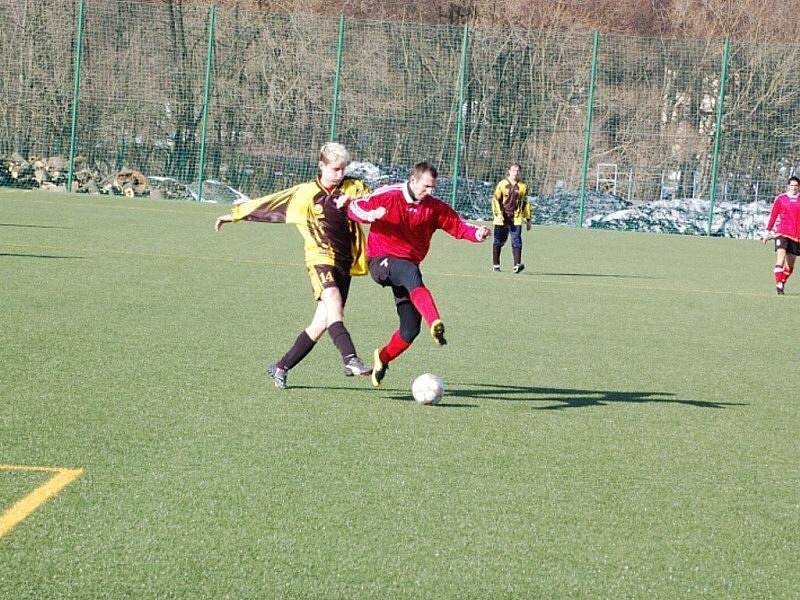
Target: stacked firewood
<point>33,172</point>
<point>51,173</point>
<point>127,182</point>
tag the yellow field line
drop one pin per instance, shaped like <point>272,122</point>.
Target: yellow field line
<point>37,497</point>
<point>264,262</point>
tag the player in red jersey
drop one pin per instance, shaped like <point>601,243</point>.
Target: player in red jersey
<point>786,210</point>
<point>404,216</point>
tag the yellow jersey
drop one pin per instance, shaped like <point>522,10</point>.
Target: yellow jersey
<point>510,203</point>
<point>330,237</point>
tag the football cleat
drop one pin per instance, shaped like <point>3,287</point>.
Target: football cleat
<point>379,368</point>
<point>354,366</point>
<point>278,376</point>
<point>437,332</point>
<point>496,268</point>
<point>519,268</point>
<point>779,289</point>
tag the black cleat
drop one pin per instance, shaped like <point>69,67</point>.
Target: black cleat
<point>496,268</point>
<point>437,332</point>
<point>379,368</point>
<point>354,366</point>
<point>779,289</point>
<point>519,268</point>
<point>278,376</point>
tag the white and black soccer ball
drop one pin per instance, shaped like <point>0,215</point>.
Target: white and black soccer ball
<point>427,389</point>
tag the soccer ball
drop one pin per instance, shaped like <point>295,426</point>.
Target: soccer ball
<point>427,389</point>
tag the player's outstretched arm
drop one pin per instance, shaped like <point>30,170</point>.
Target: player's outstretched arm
<point>452,223</point>
<point>222,220</point>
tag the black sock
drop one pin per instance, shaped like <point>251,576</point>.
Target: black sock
<point>495,255</point>
<point>517,255</point>
<point>302,346</point>
<point>341,339</point>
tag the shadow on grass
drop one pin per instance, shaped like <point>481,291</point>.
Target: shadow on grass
<point>36,226</point>
<point>565,397</point>
<point>38,255</point>
<point>615,276</point>
<point>387,393</point>
<point>574,398</point>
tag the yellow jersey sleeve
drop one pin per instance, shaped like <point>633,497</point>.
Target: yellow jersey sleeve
<point>300,203</point>
<point>274,204</point>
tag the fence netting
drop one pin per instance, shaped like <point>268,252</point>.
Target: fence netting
<point>611,131</point>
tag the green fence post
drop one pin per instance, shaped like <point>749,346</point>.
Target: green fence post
<point>206,93</point>
<point>717,134</point>
<point>460,117</point>
<point>335,106</point>
<point>121,154</point>
<point>588,139</point>
<point>76,88</point>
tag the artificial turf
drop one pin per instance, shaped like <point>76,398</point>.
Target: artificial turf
<point>620,418</point>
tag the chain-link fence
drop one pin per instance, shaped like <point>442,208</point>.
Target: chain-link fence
<point>606,128</point>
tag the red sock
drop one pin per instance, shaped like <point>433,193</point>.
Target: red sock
<point>394,348</point>
<point>423,301</point>
<point>787,271</point>
<point>780,275</point>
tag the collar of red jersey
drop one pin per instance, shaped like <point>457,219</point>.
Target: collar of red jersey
<point>410,198</point>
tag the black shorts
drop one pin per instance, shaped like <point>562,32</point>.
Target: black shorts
<point>784,243</point>
<point>327,276</point>
<point>399,274</point>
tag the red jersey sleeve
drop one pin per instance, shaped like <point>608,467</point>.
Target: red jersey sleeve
<point>776,209</point>
<point>452,223</point>
<point>362,210</point>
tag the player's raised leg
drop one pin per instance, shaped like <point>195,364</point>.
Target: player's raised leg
<point>423,301</point>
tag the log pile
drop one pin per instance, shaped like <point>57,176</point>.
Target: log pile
<point>51,173</point>
<point>18,171</point>
<point>127,182</point>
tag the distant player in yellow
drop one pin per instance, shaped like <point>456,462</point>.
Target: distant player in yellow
<point>334,251</point>
<point>510,207</point>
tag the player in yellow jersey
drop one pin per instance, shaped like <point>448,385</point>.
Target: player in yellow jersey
<point>510,207</point>
<point>334,252</point>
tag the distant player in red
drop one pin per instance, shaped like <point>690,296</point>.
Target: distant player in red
<point>786,210</point>
<point>404,216</point>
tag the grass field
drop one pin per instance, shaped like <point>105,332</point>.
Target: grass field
<point>621,418</point>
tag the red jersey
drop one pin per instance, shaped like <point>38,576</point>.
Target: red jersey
<point>405,231</point>
<point>786,210</point>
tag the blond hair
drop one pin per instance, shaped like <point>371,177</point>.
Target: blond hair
<point>334,152</point>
